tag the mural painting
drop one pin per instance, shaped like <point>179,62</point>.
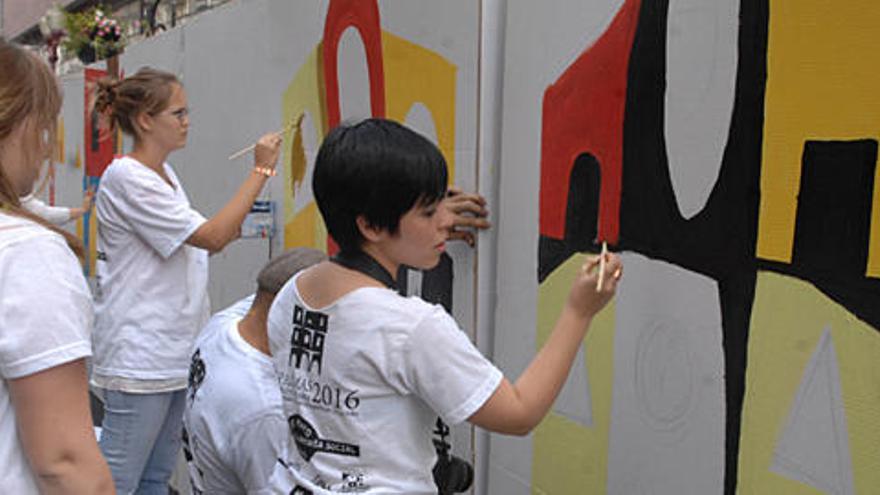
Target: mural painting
<point>727,150</point>
<point>718,151</point>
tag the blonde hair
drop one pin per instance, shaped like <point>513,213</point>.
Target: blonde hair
<point>30,96</point>
<point>122,100</point>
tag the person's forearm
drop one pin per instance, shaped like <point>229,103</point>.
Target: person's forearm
<point>76,212</point>
<point>541,382</point>
<point>225,226</point>
<point>76,473</point>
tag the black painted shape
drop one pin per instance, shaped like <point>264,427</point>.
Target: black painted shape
<point>860,296</point>
<point>737,296</point>
<point>582,210</point>
<point>581,217</point>
<point>551,253</point>
<point>720,240</point>
<point>436,282</point>
<point>832,230</point>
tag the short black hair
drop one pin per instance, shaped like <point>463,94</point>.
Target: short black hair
<point>376,168</point>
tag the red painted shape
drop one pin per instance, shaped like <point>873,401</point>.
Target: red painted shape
<point>99,145</point>
<point>583,112</point>
<point>363,15</point>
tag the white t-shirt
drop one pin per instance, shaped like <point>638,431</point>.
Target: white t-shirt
<point>234,424</point>
<point>151,298</point>
<point>363,381</point>
<point>45,320</point>
<point>52,214</point>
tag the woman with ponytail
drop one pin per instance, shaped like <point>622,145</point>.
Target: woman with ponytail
<point>152,274</point>
<point>48,443</point>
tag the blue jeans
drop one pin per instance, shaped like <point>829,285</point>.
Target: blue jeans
<point>140,438</point>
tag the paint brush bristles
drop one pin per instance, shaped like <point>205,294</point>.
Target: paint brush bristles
<point>287,127</point>
<point>602,257</point>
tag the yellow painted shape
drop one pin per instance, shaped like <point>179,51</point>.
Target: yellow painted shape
<point>822,83</point>
<point>78,162</point>
<point>788,318</point>
<point>414,74</point>
<point>59,141</point>
<point>304,94</point>
<point>306,230</point>
<point>567,457</point>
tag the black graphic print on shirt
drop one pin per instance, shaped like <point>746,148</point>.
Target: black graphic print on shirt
<point>196,475</point>
<point>307,338</point>
<point>197,372</point>
<point>308,442</point>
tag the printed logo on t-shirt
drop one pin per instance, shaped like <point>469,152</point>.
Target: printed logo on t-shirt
<point>308,442</point>
<point>307,339</point>
<point>197,372</point>
<point>298,490</point>
<point>196,475</point>
<point>352,482</point>
<point>308,391</point>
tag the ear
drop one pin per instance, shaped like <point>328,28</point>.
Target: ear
<point>144,122</point>
<point>370,232</point>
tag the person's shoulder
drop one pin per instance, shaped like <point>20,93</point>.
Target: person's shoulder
<point>125,169</point>
<point>400,311</point>
<point>116,173</point>
<point>39,252</point>
<point>120,166</point>
<point>21,231</point>
<point>214,329</point>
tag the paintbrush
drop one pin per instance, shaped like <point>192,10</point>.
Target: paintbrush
<point>602,257</point>
<point>287,127</point>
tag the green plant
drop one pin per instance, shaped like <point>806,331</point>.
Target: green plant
<point>92,34</point>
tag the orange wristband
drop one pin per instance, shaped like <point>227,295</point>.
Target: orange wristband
<point>268,172</point>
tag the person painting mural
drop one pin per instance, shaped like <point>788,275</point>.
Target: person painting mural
<point>364,371</point>
<point>152,272</point>
<point>48,445</point>
<point>234,424</point>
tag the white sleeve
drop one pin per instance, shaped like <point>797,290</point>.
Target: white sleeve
<point>53,214</point>
<point>160,217</point>
<point>46,309</point>
<point>256,449</point>
<point>444,368</point>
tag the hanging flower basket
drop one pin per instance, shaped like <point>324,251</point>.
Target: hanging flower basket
<point>92,35</point>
